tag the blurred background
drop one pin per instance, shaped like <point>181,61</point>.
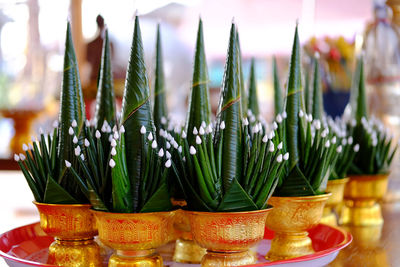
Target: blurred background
<point>32,35</point>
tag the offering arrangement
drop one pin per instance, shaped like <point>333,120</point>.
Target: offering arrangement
<point>138,188</point>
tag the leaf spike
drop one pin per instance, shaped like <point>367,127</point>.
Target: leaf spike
<point>317,103</point>
<point>253,99</point>
<point>361,107</point>
<point>160,104</point>
<point>136,112</point>
<point>72,106</point>
<point>278,100</point>
<point>199,105</point>
<point>105,104</point>
<point>293,102</point>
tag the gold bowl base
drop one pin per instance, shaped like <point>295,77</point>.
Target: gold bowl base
<point>79,253</point>
<point>289,245</point>
<point>362,214</point>
<point>144,258</point>
<point>361,197</point>
<point>329,217</point>
<point>290,219</point>
<point>336,187</point>
<point>216,259</point>
<point>187,251</point>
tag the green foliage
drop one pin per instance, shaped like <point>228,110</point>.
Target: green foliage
<point>43,164</point>
<point>39,166</point>
<point>105,100</point>
<point>199,105</point>
<point>253,99</point>
<point>278,99</point>
<point>235,169</point>
<point>243,95</point>
<point>160,104</point>
<point>376,152</point>
<point>312,147</point>
<point>317,101</point>
<point>138,181</point>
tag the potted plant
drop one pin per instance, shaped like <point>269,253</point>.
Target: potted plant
<point>348,149</point>
<point>227,174</point>
<point>300,196</point>
<point>133,214</point>
<point>371,166</point>
<point>57,196</point>
<point>186,250</point>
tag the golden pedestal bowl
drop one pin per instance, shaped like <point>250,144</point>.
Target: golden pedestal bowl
<point>361,195</point>
<point>290,219</point>
<point>186,250</point>
<point>336,187</point>
<point>73,227</point>
<point>135,236</point>
<point>227,236</point>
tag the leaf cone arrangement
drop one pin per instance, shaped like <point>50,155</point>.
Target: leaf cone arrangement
<point>312,147</point>
<point>160,103</point>
<point>43,163</point>
<point>226,167</point>
<point>376,154</point>
<point>139,181</point>
<point>278,99</point>
<point>346,149</point>
<point>91,171</point>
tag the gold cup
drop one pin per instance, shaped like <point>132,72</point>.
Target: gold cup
<point>135,236</point>
<point>336,187</point>
<point>290,219</point>
<point>73,227</point>
<point>186,250</point>
<point>361,196</point>
<point>227,236</point>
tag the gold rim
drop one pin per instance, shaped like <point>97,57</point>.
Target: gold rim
<point>138,213</point>
<point>369,177</point>
<point>62,205</point>
<point>339,181</point>
<point>228,213</point>
<point>305,198</point>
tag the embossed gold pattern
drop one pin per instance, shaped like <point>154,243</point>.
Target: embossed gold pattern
<point>361,195</point>
<point>186,250</point>
<point>290,219</point>
<point>227,236</point>
<point>134,236</point>
<point>73,227</point>
<point>336,187</point>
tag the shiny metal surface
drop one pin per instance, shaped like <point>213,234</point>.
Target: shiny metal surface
<point>374,245</point>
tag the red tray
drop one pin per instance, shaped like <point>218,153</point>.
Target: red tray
<point>27,246</point>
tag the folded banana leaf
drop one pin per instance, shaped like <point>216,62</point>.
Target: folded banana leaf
<point>294,90</point>
<point>136,113</point>
<point>72,108</point>
<point>199,105</point>
<point>295,184</point>
<point>361,105</point>
<point>317,103</point>
<point>253,99</point>
<point>278,99</point>
<point>230,113</point>
<point>157,200</point>
<point>56,194</point>
<point>160,105</point>
<point>236,199</point>
<point>308,90</point>
<point>243,95</point>
<point>105,100</point>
